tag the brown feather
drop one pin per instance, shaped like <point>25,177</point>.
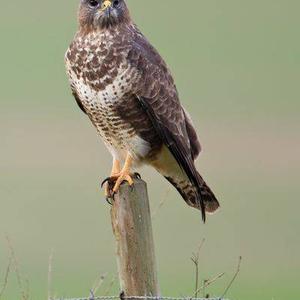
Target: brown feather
<point>121,82</point>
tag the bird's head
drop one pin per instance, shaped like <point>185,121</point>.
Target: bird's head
<point>102,13</point>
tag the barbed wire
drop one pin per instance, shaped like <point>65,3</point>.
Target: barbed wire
<point>138,297</point>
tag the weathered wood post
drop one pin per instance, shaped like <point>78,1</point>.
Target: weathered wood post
<point>131,221</point>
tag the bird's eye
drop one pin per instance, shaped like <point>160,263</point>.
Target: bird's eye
<point>93,3</point>
<point>116,3</point>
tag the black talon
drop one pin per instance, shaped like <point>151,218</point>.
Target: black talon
<point>137,175</point>
<point>108,201</point>
<point>113,195</point>
<point>104,181</point>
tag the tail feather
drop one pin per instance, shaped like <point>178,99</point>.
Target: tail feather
<point>190,185</point>
<point>192,194</point>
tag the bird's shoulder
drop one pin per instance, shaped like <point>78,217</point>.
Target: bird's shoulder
<point>156,86</point>
<point>144,56</point>
<point>154,81</point>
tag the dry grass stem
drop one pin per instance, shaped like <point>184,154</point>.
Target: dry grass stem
<point>234,277</point>
<point>27,291</point>
<point>204,290</point>
<point>6,276</point>
<point>98,283</point>
<point>112,282</point>
<point>24,294</point>
<point>50,264</point>
<point>161,203</point>
<point>209,282</point>
<point>195,259</point>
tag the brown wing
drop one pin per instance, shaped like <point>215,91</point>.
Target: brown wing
<point>156,91</point>
<point>157,85</point>
<point>193,137</point>
<point>78,101</point>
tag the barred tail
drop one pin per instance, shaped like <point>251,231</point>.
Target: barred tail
<point>192,194</point>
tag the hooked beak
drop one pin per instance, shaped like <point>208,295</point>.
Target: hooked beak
<point>105,5</point>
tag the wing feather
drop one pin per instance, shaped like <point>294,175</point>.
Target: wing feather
<point>78,101</point>
<point>157,93</point>
<point>178,150</point>
<point>194,140</point>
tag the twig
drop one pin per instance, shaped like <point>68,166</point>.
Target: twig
<point>27,292</point>
<point>234,277</point>
<point>7,272</point>
<point>196,263</point>
<point>112,282</point>
<point>195,259</point>
<point>50,263</point>
<point>98,284</point>
<point>161,203</point>
<point>24,295</point>
<point>204,286</point>
<point>209,282</point>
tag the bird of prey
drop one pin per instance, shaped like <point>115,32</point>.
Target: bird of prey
<point>122,84</point>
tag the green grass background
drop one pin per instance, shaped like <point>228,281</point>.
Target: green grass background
<point>236,65</point>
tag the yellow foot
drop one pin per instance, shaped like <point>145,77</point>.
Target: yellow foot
<point>108,183</point>
<point>113,183</point>
<point>120,178</point>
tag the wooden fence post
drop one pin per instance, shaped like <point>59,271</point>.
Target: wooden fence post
<point>131,221</point>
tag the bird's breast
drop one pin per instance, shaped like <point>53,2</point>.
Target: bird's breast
<point>104,82</point>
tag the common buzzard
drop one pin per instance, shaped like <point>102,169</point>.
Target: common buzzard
<point>124,86</point>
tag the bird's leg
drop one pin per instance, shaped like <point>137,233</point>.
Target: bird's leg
<point>114,172</point>
<point>124,175</point>
<point>116,168</point>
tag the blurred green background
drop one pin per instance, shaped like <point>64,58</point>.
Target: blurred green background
<point>236,64</point>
